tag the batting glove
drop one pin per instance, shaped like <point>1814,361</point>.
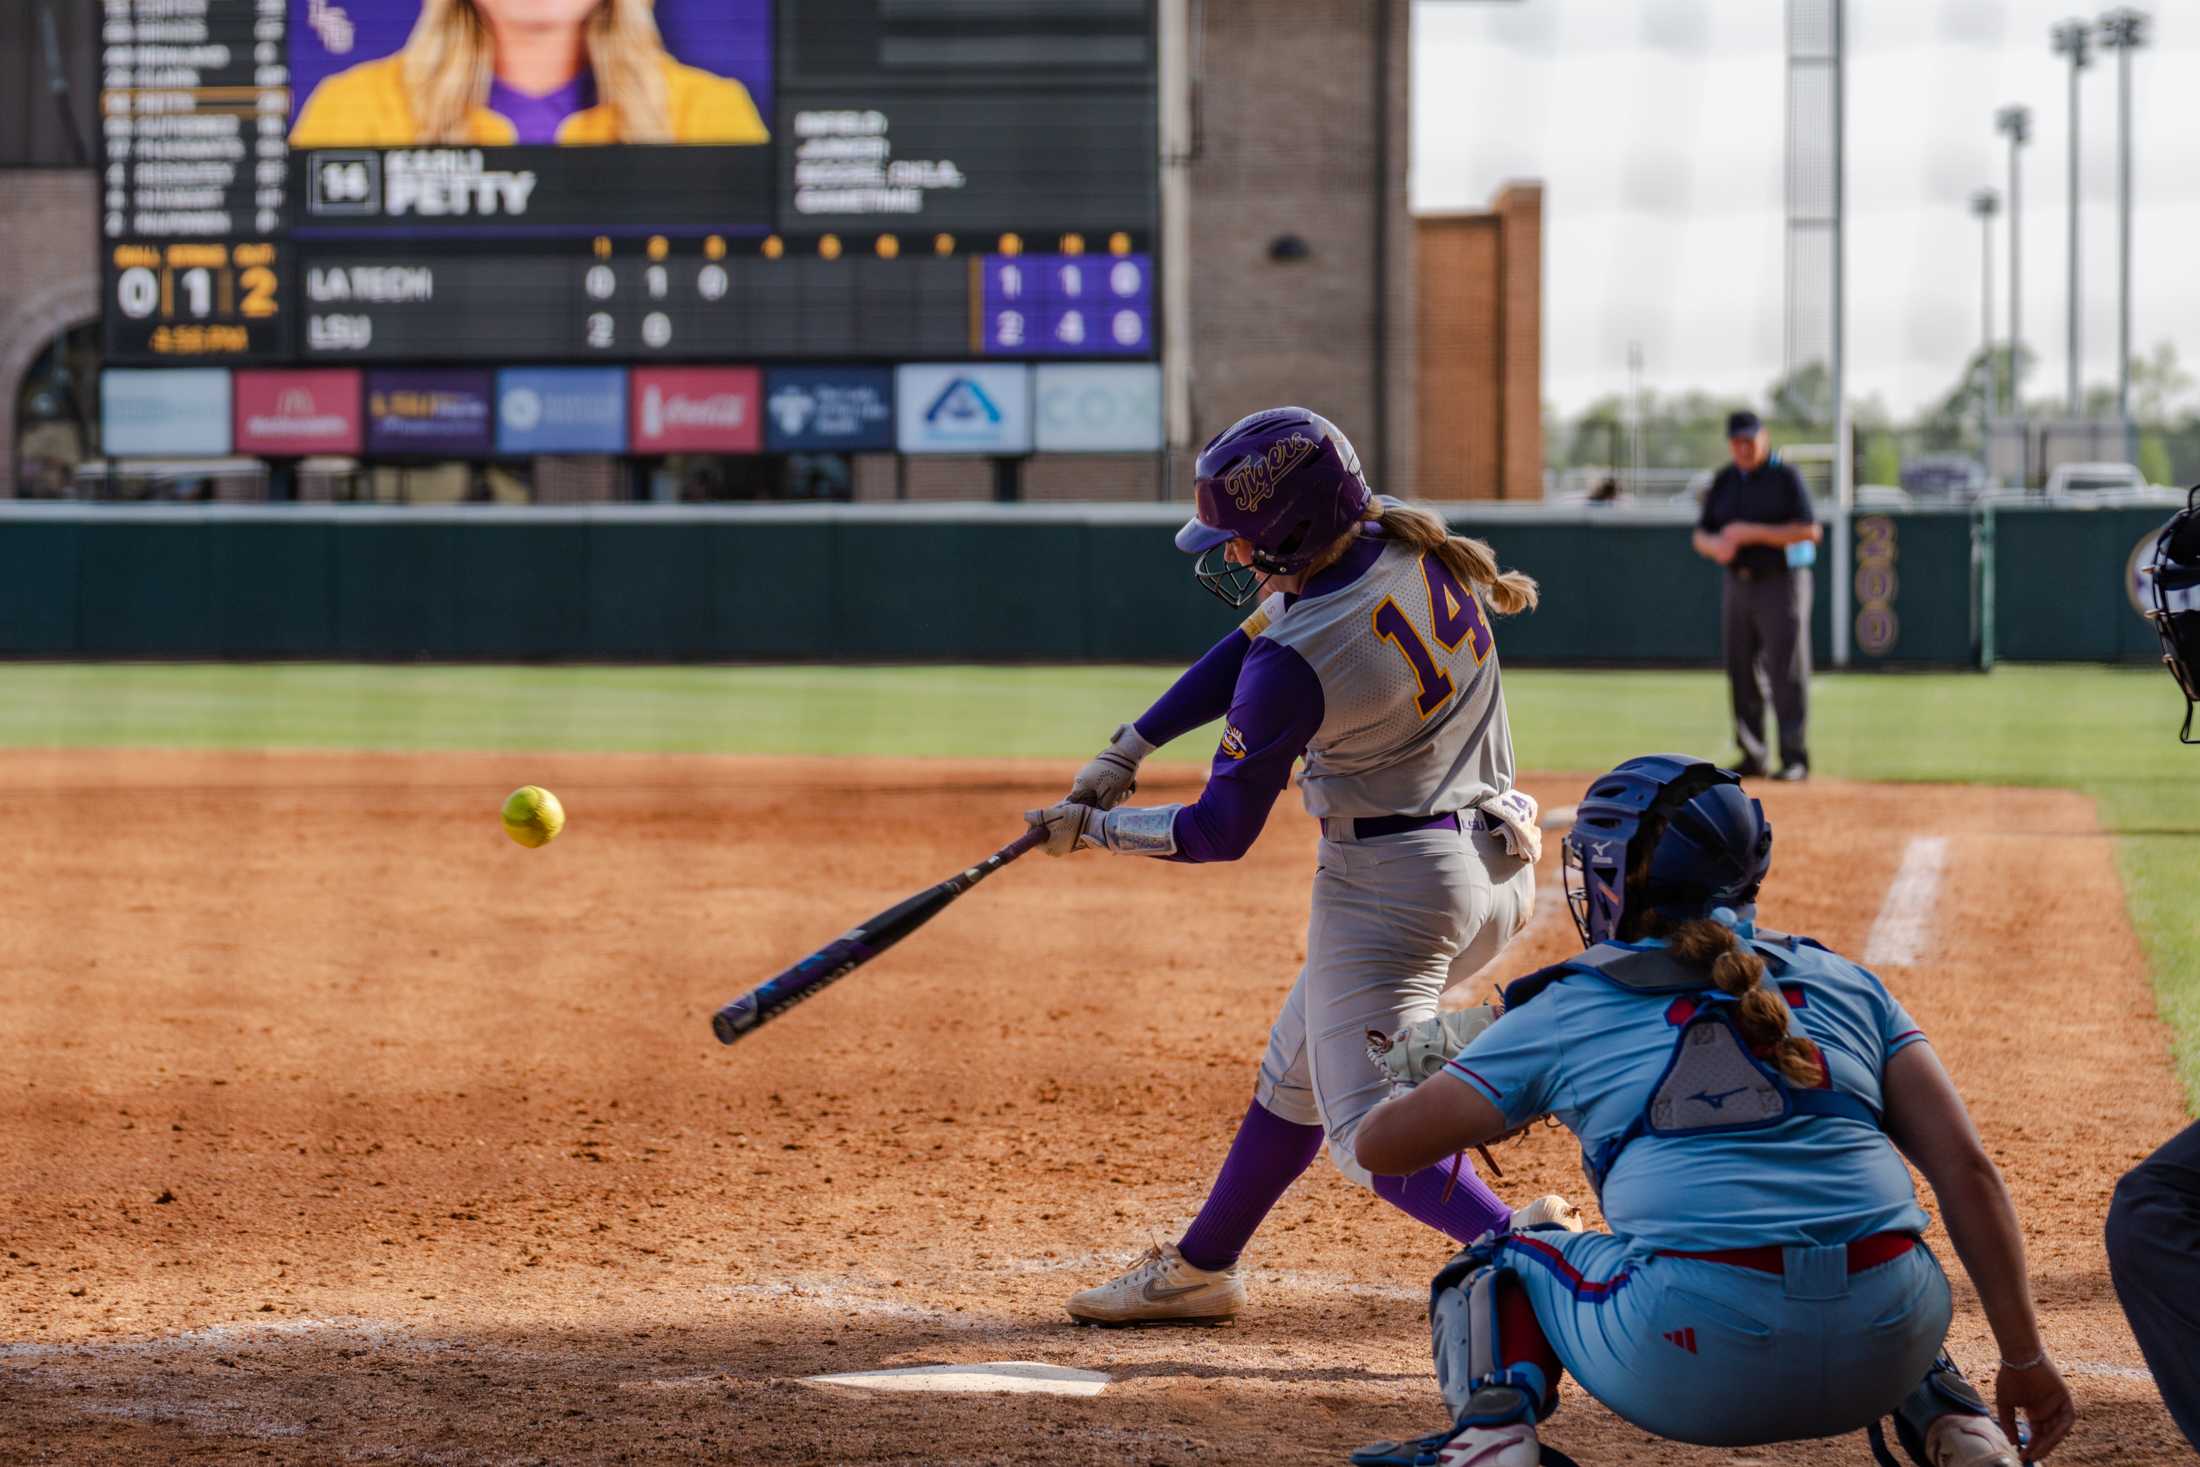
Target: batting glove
<point>1110,776</point>
<point>1515,813</point>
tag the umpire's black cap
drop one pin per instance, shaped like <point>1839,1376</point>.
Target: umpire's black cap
<point>1744,424</point>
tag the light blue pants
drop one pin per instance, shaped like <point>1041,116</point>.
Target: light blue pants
<point>1723,1356</point>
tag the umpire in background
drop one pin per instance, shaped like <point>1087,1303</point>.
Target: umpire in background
<point>1757,522</point>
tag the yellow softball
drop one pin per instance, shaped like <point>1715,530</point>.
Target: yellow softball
<point>533,816</point>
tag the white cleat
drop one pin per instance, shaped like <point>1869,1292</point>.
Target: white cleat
<point>1511,1445</point>
<point>1962,1440</point>
<point>1553,1211</point>
<point>1161,1288</point>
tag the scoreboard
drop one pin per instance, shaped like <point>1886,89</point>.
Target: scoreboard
<point>295,182</point>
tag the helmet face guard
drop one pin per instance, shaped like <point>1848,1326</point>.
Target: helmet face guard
<point>2175,578</point>
<point>1664,834</point>
<point>1595,876</point>
<point>1232,584</point>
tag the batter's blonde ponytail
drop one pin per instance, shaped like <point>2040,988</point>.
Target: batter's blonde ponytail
<point>1472,561</point>
<point>1762,1016</point>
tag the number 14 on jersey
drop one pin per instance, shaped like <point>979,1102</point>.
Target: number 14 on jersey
<point>1454,616</point>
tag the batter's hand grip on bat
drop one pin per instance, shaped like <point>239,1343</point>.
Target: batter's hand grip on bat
<point>852,949</point>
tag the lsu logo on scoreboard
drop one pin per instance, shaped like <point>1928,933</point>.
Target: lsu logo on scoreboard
<point>1233,741</point>
<point>1252,482</point>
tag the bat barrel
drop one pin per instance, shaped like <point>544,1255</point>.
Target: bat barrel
<point>853,949</point>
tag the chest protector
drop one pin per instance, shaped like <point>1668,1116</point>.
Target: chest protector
<point>1713,1084</point>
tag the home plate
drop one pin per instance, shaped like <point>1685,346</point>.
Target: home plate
<point>1020,1377</point>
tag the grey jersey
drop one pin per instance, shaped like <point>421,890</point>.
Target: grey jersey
<point>1413,719</point>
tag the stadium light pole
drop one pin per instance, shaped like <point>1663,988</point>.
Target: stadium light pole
<point>2015,123</point>
<point>2123,31</point>
<point>1985,204</point>
<point>2074,39</point>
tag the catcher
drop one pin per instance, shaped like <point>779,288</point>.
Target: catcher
<point>1744,1102</point>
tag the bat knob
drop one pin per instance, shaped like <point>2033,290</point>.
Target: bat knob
<point>735,1019</point>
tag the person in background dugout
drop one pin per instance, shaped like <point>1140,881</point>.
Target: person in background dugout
<point>1757,522</point>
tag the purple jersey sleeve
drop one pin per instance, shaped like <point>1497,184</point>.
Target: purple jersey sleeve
<point>1201,695</point>
<point>1275,709</point>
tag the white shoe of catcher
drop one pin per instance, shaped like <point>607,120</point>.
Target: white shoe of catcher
<point>1511,1445</point>
<point>1552,1211</point>
<point>1960,1439</point>
<point>1161,1288</point>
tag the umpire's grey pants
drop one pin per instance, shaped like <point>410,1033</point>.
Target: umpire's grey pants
<point>1765,626</point>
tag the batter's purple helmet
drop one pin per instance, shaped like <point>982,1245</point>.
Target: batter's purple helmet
<point>1285,481</point>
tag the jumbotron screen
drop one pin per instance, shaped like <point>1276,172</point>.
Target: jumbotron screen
<point>337,181</point>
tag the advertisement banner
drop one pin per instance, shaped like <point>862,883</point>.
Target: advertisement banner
<point>696,410</point>
<point>829,410</point>
<point>962,408</point>
<point>439,414</point>
<point>297,414</point>
<point>1098,409</point>
<point>561,410</point>
<point>156,413</point>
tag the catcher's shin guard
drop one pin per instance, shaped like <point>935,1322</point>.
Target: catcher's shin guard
<point>1479,1389</point>
<point>1944,1391</point>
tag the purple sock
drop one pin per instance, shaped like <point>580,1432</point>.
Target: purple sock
<point>1269,1154</point>
<point>1471,1211</point>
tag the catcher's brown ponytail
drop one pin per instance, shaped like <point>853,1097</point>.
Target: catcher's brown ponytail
<point>1762,1016</point>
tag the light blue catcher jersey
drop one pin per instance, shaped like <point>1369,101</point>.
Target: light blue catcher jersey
<point>1590,1053</point>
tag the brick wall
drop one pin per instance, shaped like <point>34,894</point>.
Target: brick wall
<point>49,279</point>
<point>1480,427</point>
<point>1519,208</point>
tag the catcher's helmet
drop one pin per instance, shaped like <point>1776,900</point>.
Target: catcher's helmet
<point>2175,577</point>
<point>1285,481</point>
<point>1663,833</point>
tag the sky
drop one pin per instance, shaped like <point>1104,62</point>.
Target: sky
<point>1657,128</point>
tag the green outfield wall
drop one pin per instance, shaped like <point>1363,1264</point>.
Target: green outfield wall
<point>966,582</point>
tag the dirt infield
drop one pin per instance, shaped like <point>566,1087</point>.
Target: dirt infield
<point>337,1127</point>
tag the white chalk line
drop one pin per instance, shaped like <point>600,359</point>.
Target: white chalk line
<point>1902,931</point>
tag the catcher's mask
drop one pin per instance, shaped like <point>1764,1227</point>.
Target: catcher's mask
<point>2175,578</point>
<point>1663,833</point>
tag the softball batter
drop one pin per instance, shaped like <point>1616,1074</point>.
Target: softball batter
<point>1744,1102</point>
<point>1372,656</point>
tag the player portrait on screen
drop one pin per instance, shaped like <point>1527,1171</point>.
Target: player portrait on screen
<point>489,72</point>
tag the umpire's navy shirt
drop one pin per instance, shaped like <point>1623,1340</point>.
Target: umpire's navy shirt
<point>1770,494</point>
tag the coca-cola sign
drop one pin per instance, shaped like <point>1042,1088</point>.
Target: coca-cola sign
<point>696,410</point>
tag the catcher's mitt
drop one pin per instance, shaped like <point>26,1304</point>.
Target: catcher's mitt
<point>1418,1051</point>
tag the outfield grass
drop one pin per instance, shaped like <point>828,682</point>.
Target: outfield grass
<point>2108,732</point>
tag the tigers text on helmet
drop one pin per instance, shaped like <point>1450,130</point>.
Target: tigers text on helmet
<point>2175,583</point>
<point>1664,833</point>
<point>1286,482</point>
